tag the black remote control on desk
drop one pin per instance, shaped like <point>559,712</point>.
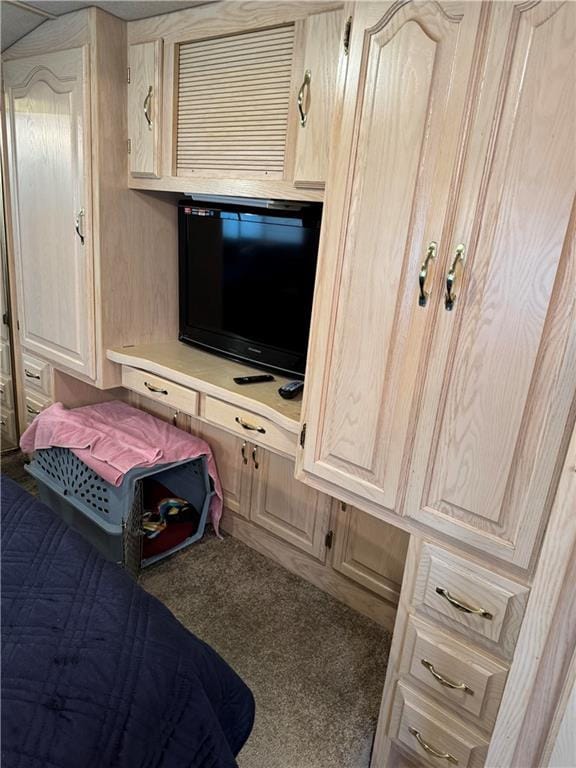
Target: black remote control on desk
<point>258,379</point>
<point>291,389</point>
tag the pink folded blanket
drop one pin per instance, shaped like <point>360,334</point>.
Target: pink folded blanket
<point>112,438</point>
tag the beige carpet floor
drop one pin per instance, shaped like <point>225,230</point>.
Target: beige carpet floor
<point>316,667</point>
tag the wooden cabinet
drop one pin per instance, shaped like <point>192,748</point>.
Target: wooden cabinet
<point>403,108</point>
<point>438,383</point>
<point>317,95</point>
<point>85,246</point>
<point>144,105</point>
<point>47,99</point>
<point>369,551</point>
<point>495,405</point>
<point>286,507</point>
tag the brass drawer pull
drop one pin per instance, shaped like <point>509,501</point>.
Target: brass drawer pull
<point>431,750</point>
<point>30,375</point>
<point>3,422</point>
<point>243,452</point>
<point>32,411</point>
<point>423,274</point>
<point>249,427</point>
<point>463,606</point>
<point>445,681</point>
<point>305,85</point>
<point>157,390</point>
<point>451,278</point>
<point>147,101</point>
<point>254,459</point>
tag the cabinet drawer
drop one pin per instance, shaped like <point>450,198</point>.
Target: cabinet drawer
<point>37,374</point>
<point>431,732</point>
<point>161,390</point>
<point>34,404</point>
<point>248,424</point>
<point>484,606</point>
<point>6,394</point>
<point>8,426</point>
<point>455,672</point>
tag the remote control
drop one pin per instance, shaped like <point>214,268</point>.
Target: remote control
<point>253,379</point>
<point>290,390</point>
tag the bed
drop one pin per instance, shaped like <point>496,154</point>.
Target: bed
<point>96,673</point>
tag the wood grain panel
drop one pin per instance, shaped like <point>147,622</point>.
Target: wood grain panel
<point>145,88</point>
<point>322,46</point>
<point>48,141</point>
<point>287,508</point>
<point>369,551</point>
<point>404,103</point>
<point>499,392</point>
<point>233,100</point>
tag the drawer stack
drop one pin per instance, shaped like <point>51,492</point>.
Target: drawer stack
<point>7,413</point>
<point>454,640</point>
<point>38,385</point>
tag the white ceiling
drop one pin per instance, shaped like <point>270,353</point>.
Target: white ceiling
<point>19,18</point>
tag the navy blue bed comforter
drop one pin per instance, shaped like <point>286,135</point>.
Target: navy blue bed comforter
<point>96,673</point>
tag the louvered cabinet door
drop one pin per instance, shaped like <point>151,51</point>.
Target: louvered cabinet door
<point>403,112</point>
<point>316,96</point>
<point>233,105</point>
<point>48,126</point>
<point>498,402</point>
<point>144,108</point>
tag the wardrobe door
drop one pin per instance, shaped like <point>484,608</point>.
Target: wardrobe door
<point>496,409</point>
<point>144,108</point>
<point>48,122</point>
<point>387,198</point>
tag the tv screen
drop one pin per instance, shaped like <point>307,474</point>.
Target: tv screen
<point>247,281</point>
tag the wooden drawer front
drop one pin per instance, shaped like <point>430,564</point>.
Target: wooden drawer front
<point>431,732</point>
<point>441,663</point>
<point>161,390</point>
<point>249,425</point>
<point>37,374</point>
<point>486,607</point>
<point>8,426</point>
<point>6,394</point>
<point>34,404</point>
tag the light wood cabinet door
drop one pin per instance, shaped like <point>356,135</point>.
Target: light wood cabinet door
<point>144,105</point>
<point>495,410</point>
<point>234,462</point>
<point>403,114</point>
<point>316,96</point>
<point>286,507</point>
<point>48,121</point>
<point>369,551</point>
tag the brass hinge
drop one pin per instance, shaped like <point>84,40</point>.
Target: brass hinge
<point>343,506</point>
<point>329,539</point>
<point>128,78</point>
<point>347,31</point>
<point>303,435</point>
<point>129,146</point>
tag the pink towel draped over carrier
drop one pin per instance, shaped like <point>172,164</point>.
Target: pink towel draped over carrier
<point>112,438</point>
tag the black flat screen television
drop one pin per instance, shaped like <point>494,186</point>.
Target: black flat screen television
<point>247,281</point>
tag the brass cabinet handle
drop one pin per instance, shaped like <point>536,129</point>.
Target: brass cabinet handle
<point>3,421</point>
<point>32,411</point>
<point>445,681</point>
<point>431,750</point>
<point>1,390</point>
<point>147,101</point>
<point>79,217</point>
<point>243,452</point>
<point>158,390</point>
<point>305,85</point>
<point>250,427</point>
<point>464,607</point>
<point>254,459</point>
<point>451,277</point>
<point>30,375</point>
<point>423,274</point>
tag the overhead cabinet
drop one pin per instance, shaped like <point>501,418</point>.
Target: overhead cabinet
<point>246,100</point>
<point>438,383</point>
